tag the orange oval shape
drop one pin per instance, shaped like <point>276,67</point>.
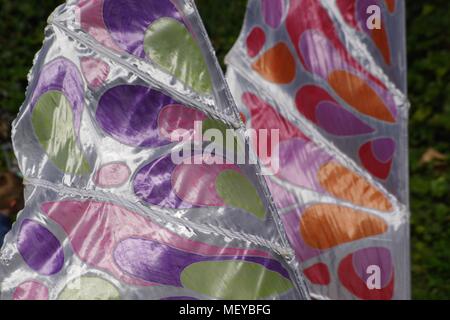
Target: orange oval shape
<point>325,226</point>
<point>359,95</point>
<point>276,65</point>
<point>345,184</point>
<point>380,38</point>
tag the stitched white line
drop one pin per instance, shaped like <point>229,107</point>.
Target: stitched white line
<point>160,214</point>
<point>204,106</point>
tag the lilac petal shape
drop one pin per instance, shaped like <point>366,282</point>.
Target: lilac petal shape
<point>282,197</point>
<point>383,149</point>
<point>377,156</point>
<point>39,248</point>
<point>272,11</point>
<point>320,56</point>
<point>296,166</point>
<point>338,121</point>
<point>380,257</point>
<point>62,75</point>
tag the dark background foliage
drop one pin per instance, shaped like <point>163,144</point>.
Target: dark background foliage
<point>21,33</point>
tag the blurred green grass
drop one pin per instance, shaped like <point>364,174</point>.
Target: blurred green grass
<point>21,28</point>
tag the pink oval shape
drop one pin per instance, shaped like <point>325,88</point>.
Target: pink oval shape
<point>90,15</point>
<point>112,175</point>
<point>175,117</point>
<point>95,71</point>
<point>94,230</point>
<point>201,177</point>
<point>31,290</point>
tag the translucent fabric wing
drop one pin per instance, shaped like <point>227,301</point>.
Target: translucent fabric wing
<point>331,77</point>
<point>109,214</point>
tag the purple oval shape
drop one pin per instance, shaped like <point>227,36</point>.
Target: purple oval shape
<point>128,20</point>
<point>152,261</point>
<point>159,263</point>
<point>338,121</point>
<point>130,113</point>
<point>39,248</point>
<point>153,184</point>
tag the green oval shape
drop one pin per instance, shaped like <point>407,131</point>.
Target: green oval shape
<point>168,43</point>
<point>209,124</point>
<point>237,191</point>
<point>52,121</point>
<point>234,280</point>
<point>89,288</point>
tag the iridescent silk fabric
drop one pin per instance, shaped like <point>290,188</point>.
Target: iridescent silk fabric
<point>331,76</point>
<point>109,215</point>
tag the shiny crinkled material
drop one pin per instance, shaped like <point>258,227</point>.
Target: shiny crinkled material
<point>109,214</point>
<point>330,75</point>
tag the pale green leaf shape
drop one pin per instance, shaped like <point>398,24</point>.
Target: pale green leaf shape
<point>54,127</point>
<point>234,280</point>
<point>170,45</point>
<point>237,191</point>
<point>89,288</point>
<point>222,127</point>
